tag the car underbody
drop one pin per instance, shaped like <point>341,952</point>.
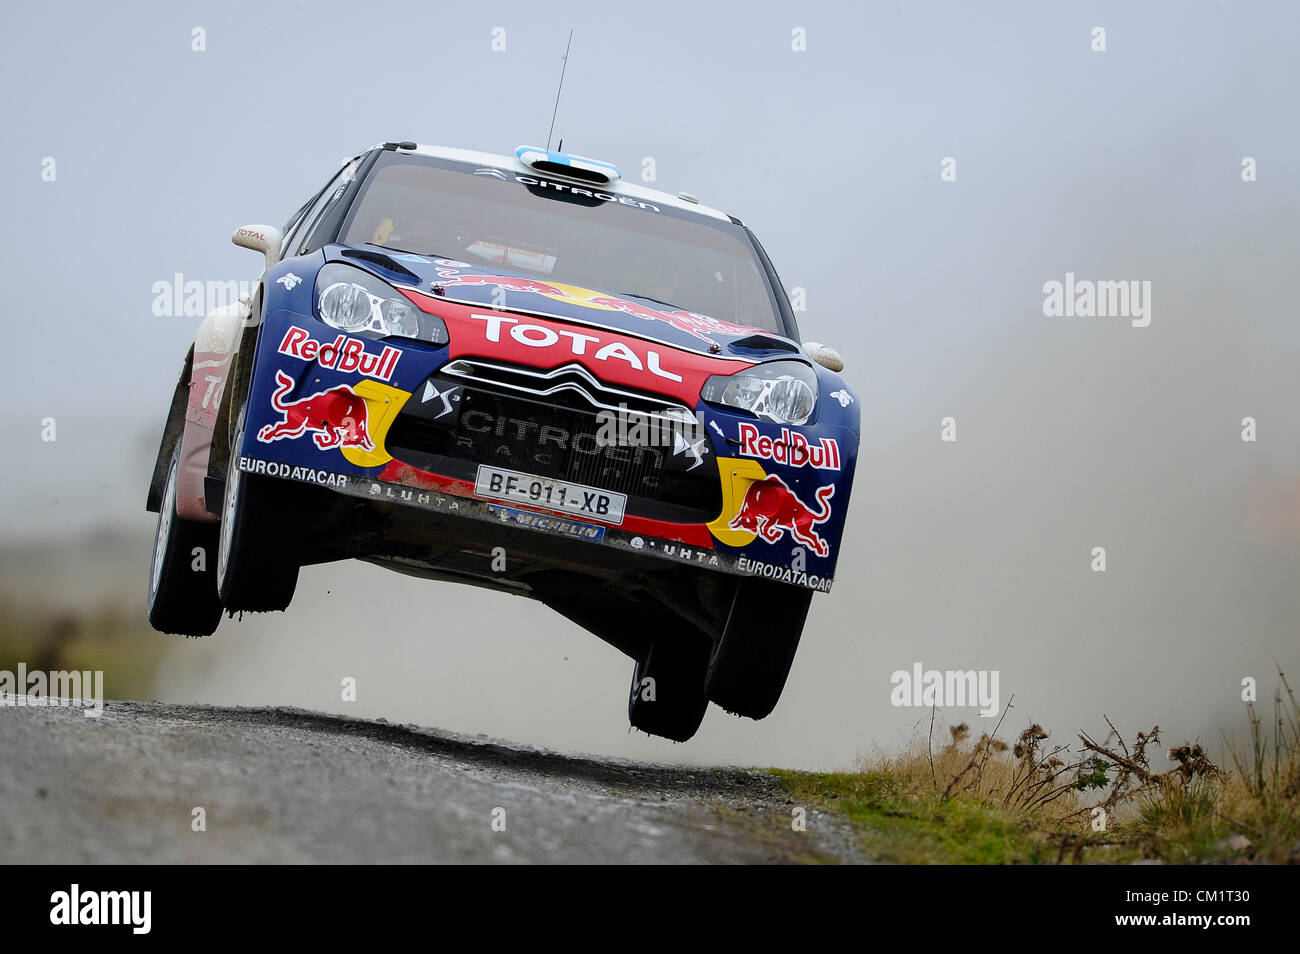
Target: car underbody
<point>624,597</point>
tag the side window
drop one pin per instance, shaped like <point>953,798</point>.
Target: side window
<point>305,239</point>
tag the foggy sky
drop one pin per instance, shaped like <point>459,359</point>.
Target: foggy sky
<point>1072,433</point>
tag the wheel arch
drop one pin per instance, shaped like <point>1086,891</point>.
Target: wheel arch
<point>172,429</point>
<point>200,406</point>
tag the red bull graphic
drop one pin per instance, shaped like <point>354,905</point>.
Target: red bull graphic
<point>509,283</point>
<point>342,354</point>
<point>448,267</point>
<point>698,326</point>
<point>791,448</point>
<point>770,508</point>
<point>336,417</point>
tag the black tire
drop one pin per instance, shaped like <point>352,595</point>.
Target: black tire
<point>257,562</point>
<point>752,659</point>
<point>182,599</point>
<point>673,705</point>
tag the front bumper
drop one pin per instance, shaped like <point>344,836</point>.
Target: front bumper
<point>398,437</point>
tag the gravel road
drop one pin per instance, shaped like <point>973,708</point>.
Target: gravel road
<point>289,786</point>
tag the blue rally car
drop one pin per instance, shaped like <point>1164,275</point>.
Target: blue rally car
<point>521,373</point>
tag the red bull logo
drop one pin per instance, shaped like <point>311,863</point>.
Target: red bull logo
<point>790,448</point>
<point>770,508</point>
<point>509,283</point>
<point>698,326</point>
<point>336,417</point>
<point>342,354</point>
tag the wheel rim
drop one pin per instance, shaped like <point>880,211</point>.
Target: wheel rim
<point>165,514</point>
<point>230,504</point>
<point>229,507</point>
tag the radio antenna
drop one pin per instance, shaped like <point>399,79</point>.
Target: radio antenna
<point>551,132</point>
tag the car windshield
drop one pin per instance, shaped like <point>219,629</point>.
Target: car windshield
<point>674,258</point>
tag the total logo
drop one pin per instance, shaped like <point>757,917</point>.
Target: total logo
<point>344,353</point>
<point>697,325</point>
<point>542,336</point>
<point>791,448</point>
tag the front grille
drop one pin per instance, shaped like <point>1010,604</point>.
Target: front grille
<point>549,440</point>
<point>570,385</point>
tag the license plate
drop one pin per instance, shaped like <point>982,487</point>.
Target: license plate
<point>498,483</point>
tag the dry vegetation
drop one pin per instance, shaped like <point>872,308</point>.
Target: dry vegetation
<point>955,800</point>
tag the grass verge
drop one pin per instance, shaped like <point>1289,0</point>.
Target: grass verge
<point>1033,802</point>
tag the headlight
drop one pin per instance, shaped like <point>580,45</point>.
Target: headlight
<point>356,301</point>
<point>781,391</point>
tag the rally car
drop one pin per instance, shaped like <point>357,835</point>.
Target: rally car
<point>525,373</point>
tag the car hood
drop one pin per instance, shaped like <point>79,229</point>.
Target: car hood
<point>471,284</point>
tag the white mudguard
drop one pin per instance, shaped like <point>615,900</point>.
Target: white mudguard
<point>215,345</point>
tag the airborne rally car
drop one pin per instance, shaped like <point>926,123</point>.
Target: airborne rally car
<point>526,374</point>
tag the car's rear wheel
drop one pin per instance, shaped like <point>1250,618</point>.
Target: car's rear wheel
<point>182,575</point>
<point>752,660</point>
<point>667,696</point>
<point>257,562</point>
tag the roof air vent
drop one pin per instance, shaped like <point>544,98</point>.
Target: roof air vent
<point>562,165</point>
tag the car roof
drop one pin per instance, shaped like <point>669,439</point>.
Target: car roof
<point>617,187</point>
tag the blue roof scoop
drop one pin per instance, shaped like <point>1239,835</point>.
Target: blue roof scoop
<point>564,165</point>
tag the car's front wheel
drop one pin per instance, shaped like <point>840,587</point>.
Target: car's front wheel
<point>257,562</point>
<point>668,688</point>
<point>752,659</point>
<point>182,575</point>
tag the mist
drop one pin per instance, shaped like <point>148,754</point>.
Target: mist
<point>968,554</point>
